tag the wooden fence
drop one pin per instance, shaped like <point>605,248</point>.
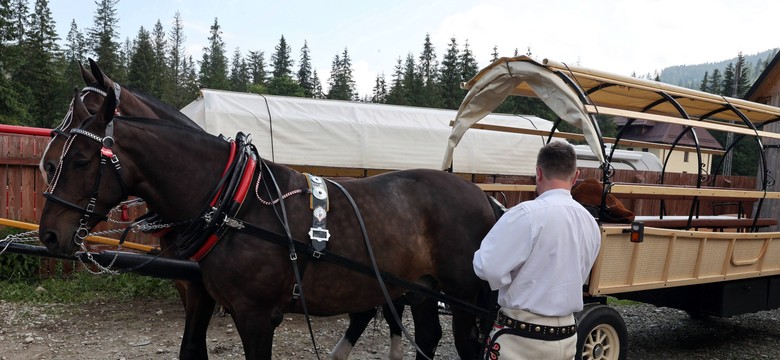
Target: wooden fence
<point>23,187</point>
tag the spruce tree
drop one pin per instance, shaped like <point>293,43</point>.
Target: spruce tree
<point>256,65</point>
<point>161,86</point>
<point>494,55</point>
<point>379,94</point>
<point>705,82</point>
<point>305,72</point>
<point>450,78</point>
<point>102,37</point>
<point>468,65</point>
<point>397,93</point>
<point>12,109</point>
<point>176,61</point>
<point>281,59</point>
<point>318,93</point>
<point>213,66</point>
<point>342,85</point>
<point>140,72</point>
<point>742,70</point>
<point>43,67</point>
<point>727,84</point>
<point>412,82</point>
<point>239,73</point>
<point>428,74</point>
<point>715,82</point>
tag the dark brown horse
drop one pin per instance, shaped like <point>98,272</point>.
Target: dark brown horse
<point>198,303</point>
<point>424,225</point>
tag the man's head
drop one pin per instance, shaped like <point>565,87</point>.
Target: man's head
<point>556,166</point>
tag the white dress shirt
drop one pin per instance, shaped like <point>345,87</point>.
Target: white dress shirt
<point>539,254</point>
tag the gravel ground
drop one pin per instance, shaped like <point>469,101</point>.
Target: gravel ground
<point>152,330</point>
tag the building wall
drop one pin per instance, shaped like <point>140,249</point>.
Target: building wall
<point>678,164</point>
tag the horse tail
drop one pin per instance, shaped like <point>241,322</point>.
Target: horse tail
<point>498,208</point>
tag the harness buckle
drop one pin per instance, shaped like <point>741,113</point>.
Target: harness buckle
<point>293,256</point>
<point>316,254</point>
<point>296,293</point>
<point>319,234</point>
<point>234,223</point>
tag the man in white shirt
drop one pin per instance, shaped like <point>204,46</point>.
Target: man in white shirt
<point>538,256</point>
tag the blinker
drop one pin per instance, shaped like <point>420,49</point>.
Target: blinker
<point>108,142</point>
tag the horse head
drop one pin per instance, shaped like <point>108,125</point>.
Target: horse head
<point>74,205</point>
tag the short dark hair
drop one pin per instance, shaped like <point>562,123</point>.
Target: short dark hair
<point>557,160</point>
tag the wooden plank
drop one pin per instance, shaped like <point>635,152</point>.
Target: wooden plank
<point>669,191</point>
<point>673,120</point>
<point>580,137</point>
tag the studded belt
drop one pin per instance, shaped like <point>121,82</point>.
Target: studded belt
<point>535,331</point>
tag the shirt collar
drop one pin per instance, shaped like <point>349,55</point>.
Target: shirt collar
<point>555,192</point>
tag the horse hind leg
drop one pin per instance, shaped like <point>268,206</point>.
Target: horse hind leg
<point>396,341</point>
<point>357,324</point>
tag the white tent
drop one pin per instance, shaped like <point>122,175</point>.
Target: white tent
<point>312,132</point>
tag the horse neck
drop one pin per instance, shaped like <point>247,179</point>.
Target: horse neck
<point>174,169</point>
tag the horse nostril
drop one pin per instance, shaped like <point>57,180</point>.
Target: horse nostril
<point>49,238</point>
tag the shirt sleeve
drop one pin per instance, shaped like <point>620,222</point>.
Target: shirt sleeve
<point>505,248</point>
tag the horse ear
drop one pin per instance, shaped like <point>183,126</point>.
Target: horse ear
<point>80,112</point>
<point>98,74</point>
<point>89,79</point>
<point>108,108</point>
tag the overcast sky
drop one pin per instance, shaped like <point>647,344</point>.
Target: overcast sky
<point>623,37</point>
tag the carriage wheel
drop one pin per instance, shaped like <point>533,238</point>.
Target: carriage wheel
<point>601,334</point>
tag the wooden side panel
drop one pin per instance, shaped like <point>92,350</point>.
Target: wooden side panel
<point>668,258</point>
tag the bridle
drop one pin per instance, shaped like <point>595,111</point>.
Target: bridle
<point>66,121</point>
<point>106,155</point>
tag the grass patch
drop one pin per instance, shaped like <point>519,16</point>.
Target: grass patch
<point>615,301</point>
<point>83,286</point>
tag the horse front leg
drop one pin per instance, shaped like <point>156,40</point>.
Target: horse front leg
<point>464,332</point>
<point>256,328</point>
<point>199,308</point>
<point>427,328</point>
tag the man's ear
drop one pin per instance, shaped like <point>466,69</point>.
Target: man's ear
<point>538,173</point>
<point>576,176</point>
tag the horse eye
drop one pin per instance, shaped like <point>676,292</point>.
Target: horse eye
<point>80,163</point>
<point>49,168</point>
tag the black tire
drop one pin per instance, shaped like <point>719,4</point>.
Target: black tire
<point>601,334</point>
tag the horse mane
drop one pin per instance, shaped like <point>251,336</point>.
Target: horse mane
<point>134,121</point>
<point>158,104</point>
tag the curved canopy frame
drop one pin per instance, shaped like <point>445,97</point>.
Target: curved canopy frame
<point>577,94</point>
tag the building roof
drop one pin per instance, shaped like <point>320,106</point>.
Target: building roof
<point>768,78</point>
<point>666,134</point>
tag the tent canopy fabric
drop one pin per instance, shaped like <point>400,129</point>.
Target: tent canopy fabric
<point>332,133</point>
<point>492,85</point>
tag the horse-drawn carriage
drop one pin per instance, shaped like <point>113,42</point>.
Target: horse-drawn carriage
<point>221,197</point>
<point>704,264</point>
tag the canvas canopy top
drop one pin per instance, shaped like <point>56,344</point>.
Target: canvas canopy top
<point>576,93</point>
<point>343,134</point>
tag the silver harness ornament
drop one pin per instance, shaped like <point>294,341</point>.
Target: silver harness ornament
<point>318,202</point>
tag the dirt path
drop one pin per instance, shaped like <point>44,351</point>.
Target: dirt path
<point>152,330</point>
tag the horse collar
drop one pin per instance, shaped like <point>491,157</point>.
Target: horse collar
<point>229,196</point>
